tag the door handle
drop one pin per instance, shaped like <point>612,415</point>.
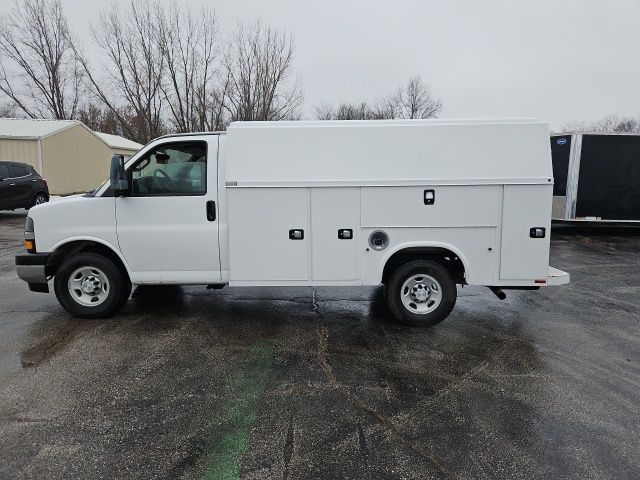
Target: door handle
<point>211,210</point>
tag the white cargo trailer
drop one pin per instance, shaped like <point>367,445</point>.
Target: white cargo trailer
<point>419,206</point>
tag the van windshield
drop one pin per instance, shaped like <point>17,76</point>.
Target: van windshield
<point>92,193</point>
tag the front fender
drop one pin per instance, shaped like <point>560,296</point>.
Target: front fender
<point>89,239</point>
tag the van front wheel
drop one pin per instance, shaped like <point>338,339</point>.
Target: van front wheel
<point>89,285</point>
<point>421,293</point>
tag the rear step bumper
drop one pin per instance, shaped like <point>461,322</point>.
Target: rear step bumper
<point>557,277</point>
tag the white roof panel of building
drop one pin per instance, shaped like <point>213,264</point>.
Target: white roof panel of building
<point>36,129</point>
<point>32,129</point>
<point>114,141</point>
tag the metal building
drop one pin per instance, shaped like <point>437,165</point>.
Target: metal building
<point>596,177</point>
<point>67,153</point>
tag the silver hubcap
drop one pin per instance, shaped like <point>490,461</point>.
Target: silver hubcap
<point>421,294</point>
<point>88,286</point>
<point>40,199</point>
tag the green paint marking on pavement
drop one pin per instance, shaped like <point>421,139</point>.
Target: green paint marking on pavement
<point>238,413</point>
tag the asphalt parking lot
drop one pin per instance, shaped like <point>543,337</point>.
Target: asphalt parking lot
<point>304,383</point>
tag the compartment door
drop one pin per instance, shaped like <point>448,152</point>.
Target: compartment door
<point>260,247</point>
<point>525,207</point>
<point>335,225</point>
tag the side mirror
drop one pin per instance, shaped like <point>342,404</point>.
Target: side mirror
<point>118,176</point>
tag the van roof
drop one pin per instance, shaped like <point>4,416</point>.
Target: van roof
<point>380,123</point>
<point>385,152</point>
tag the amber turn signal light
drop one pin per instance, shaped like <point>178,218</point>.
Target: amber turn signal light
<point>30,245</point>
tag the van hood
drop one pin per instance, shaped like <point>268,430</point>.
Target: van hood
<point>73,218</point>
<point>53,203</point>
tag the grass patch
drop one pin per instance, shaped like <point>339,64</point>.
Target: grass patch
<point>238,412</point>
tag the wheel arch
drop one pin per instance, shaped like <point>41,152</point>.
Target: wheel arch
<point>447,255</point>
<point>75,245</point>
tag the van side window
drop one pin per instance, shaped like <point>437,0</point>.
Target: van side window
<point>4,171</point>
<point>171,169</point>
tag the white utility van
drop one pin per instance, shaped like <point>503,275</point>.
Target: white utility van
<point>418,206</point>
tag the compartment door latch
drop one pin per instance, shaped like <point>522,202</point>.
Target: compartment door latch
<point>537,232</point>
<point>429,197</point>
<point>345,234</point>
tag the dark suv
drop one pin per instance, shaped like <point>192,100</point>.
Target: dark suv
<point>21,186</point>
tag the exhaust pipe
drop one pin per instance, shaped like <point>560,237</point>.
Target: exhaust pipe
<point>498,293</point>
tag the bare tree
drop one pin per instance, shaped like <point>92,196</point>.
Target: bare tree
<point>189,46</point>
<point>614,123</point>
<point>215,101</point>
<point>345,111</point>
<point>157,69</point>
<point>412,100</point>
<point>609,123</point>
<point>39,72</point>
<point>628,125</point>
<point>574,127</point>
<point>100,119</point>
<point>7,110</point>
<point>131,85</point>
<point>415,100</point>
<point>387,107</point>
<point>259,67</point>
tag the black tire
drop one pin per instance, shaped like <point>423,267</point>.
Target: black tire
<point>39,199</point>
<point>116,295</point>
<point>393,293</point>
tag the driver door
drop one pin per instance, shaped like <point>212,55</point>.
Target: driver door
<point>167,224</point>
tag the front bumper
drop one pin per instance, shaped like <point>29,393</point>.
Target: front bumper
<point>31,267</point>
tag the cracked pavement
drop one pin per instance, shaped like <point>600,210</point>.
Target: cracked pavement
<point>283,383</point>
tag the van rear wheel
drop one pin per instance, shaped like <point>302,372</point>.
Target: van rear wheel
<point>421,293</point>
<point>90,285</point>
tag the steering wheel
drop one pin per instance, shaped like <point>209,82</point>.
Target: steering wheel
<point>163,174</point>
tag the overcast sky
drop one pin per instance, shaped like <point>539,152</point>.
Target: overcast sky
<point>560,60</point>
